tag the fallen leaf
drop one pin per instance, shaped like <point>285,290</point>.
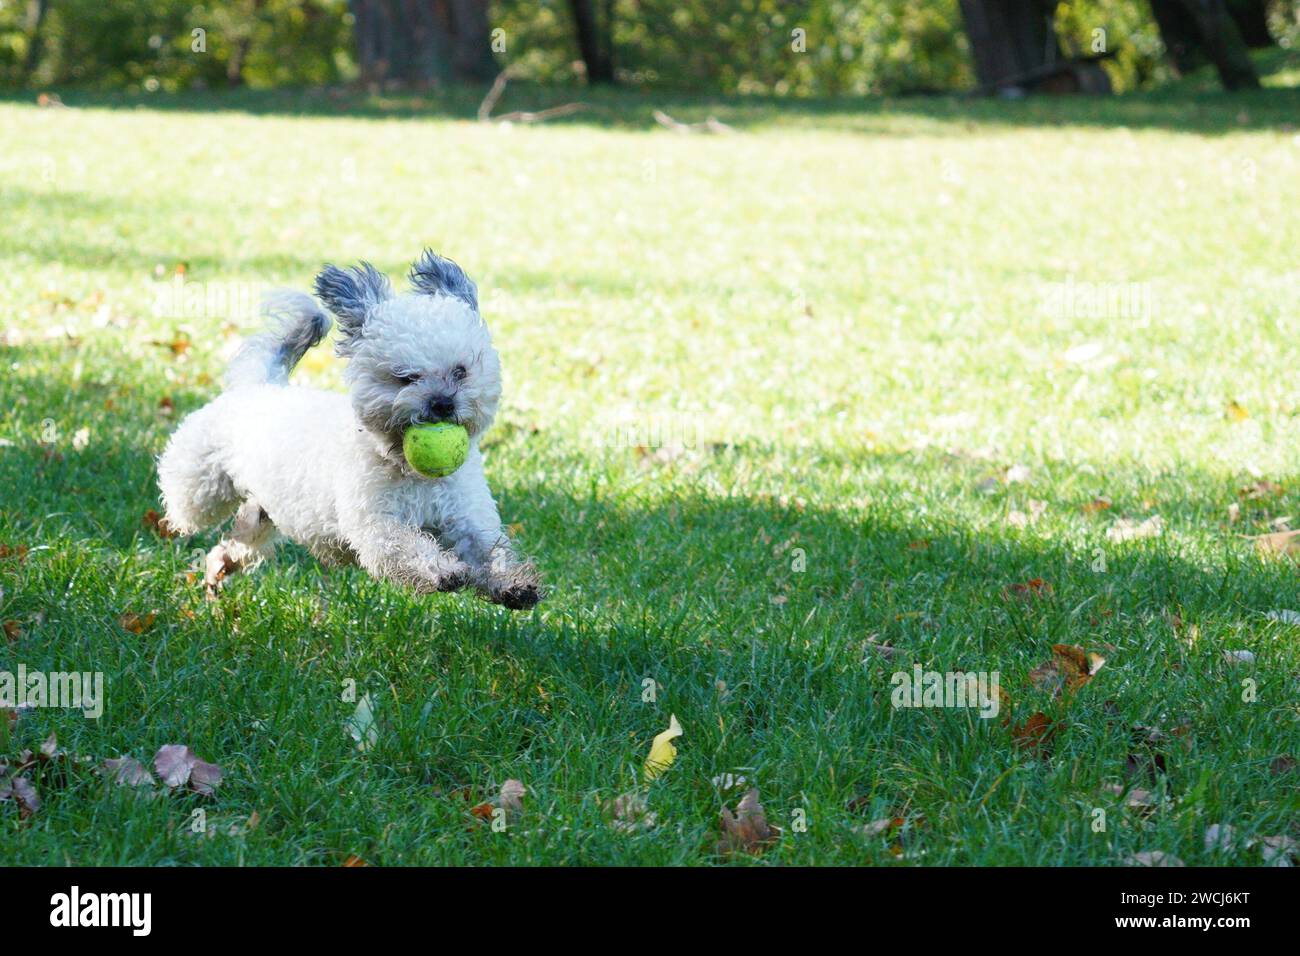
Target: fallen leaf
<point>510,800</point>
<point>20,790</point>
<point>1035,733</point>
<point>746,830</point>
<point>13,631</point>
<point>662,750</point>
<point>1277,543</point>
<point>1144,801</point>
<point>1236,411</point>
<point>354,860</point>
<point>1279,850</point>
<point>137,623</point>
<point>1126,529</point>
<point>128,772</point>
<point>158,524</point>
<point>630,813</point>
<point>1096,505</point>
<point>1069,669</point>
<point>1034,588</point>
<point>1153,858</point>
<point>885,649</point>
<point>877,827</point>
<point>1283,764</point>
<point>179,767</point>
<point>1260,489</point>
<point>361,725</point>
<point>1239,657</point>
<point>1221,838</point>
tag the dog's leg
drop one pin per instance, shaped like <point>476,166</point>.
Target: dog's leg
<point>252,537</point>
<point>408,556</point>
<point>482,542</point>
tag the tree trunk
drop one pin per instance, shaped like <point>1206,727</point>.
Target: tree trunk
<point>594,40</point>
<point>1010,39</point>
<point>1251,17</point>
<point>36,10</point>
<point>422,42</point>
<point>1223,44</point>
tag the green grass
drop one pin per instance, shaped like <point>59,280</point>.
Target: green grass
<point>844,312</point>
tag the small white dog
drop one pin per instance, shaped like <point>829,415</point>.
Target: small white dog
<point>327,469</point>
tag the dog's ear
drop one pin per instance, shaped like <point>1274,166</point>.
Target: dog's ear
<point>434,275</point>
<point>350,294</point>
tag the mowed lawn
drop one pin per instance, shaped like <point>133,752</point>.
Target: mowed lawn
<point>840,379</point>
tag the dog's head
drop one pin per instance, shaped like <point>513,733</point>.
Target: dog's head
<point>423,356</point>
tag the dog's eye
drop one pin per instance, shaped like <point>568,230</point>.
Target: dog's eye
<point>459,373</point>
<point>406,378</point>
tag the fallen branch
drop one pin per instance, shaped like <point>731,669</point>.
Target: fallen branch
<point>710,125</point>
<point>519,116</point>
<point>540,115</point>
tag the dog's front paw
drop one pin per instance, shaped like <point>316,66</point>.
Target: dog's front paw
<point>518,597</point>
<point>518,590</point>
<point>451,580</point>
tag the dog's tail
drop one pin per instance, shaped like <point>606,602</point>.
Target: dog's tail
<point>297,322</point>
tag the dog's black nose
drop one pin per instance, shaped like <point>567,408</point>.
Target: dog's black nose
<point>440,408</point>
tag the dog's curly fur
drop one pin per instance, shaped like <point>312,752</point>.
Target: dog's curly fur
<point>327,469</point>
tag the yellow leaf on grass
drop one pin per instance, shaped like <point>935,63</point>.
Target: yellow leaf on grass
<point>662,751</point>
<point>1279,542</point>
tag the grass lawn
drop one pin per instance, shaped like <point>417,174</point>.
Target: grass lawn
<point>906,347</point>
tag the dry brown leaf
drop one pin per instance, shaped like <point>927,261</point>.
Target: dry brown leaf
<point>630,813</point>
<point>1260,489</point>
<point>746,830</point>
<point>1126,529</point>
<point>158,524</point>
<point>1096,505</point>
<point>510,800</point>
<point>18,553</point>
<point>13,631</point>
<point>1029,590</point>
<point>1153,858</point>
<point>179,767</point>
<point>1283,764</point>
<point>877,827</point>
<point>1278,543</point>
<point>22,792</point>
<point>1069,669</point>
<point>128,772</point>
<point>1279,850</point>
<point>1143,801</point>
<point>137,623</point>
<point>1035,733</point>
<point>354,860</point>
<point>1221,838</point>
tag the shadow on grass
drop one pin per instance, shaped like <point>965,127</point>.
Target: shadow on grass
<point>1181,108</point>
<point>769,667</point>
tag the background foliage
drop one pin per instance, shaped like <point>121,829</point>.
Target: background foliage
<point>728,46</point>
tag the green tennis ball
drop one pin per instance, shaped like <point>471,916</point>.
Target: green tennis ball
<point>435,451</point>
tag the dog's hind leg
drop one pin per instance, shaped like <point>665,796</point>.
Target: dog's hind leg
<point>252,537</point>
<point>197,492</point>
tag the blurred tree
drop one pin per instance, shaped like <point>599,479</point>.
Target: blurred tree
<point>595,39</point>
<point>422,42</point>
<point>1196,28</point>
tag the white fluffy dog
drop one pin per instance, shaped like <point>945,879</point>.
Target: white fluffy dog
<point>327,469</point>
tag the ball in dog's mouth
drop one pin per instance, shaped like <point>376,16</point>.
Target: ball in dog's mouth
<point>436,450</point>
